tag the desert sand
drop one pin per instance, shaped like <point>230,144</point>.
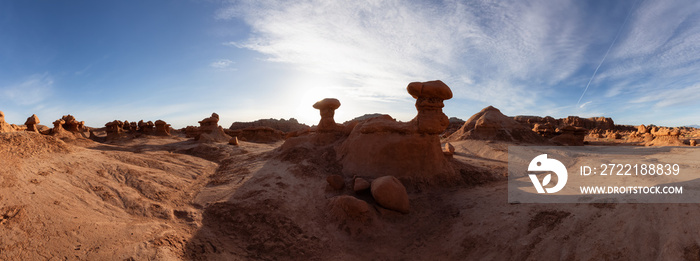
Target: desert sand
<point>369,189</point>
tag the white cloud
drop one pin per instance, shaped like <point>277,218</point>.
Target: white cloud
<point>35,89</point>
<point>222,64</point>
<point>516,55</point>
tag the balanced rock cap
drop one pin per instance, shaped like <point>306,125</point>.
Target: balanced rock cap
<point>431,89</point>
<point>327,103</point>
<point>32,120</point>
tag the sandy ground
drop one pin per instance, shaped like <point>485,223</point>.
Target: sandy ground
<point>174,199</point>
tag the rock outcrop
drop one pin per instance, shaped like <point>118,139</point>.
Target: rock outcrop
<point>390,193</point>
<point>491,124</point>
<point>593,124</point>
<point>4,126</point>
<point>383,146</point>
<point>162,128</point>
<point>210,131</point>
<point>282,125</point>
<point>327,109</point>
<point>570,136</point>
<point>257,134</point>
<point>67,127</point>
<point>665,137</point>
<point>32,122</point>
<point>429,102</point>
<point>147,128</point>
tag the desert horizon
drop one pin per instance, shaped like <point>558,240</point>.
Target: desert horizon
<point>349,130</point>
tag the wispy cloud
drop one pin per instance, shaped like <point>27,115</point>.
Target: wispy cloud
<point>222,64</point>
<point>516,55</point>
<point>35,89</point>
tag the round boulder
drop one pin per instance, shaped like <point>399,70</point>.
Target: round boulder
<point>390,193</point>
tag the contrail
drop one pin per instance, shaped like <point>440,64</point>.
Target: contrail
<point>608,51</point>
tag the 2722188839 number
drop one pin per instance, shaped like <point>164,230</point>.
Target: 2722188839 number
<point>639,169</point>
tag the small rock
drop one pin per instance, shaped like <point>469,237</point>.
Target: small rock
<point>360,184</point>
<point>390,193</point>
<point>693,143</point>
<point>233,141</point>
<point>336,181</point>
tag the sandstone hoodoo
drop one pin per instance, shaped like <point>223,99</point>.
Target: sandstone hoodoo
<point>162,128</point>
<point>429,103</point>
<point>146,127</point>
<point>665,137</point>
<point>327,108</point>
<point>67,127</point>
<point>210,131</point>
<point>390,193</point>
<point>382,146</point>
<point>32,122</point>
<point>114,129</point>
<point>491,124</point>
<point>4,126</point>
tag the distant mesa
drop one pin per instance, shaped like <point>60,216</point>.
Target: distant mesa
<point>283,125</point>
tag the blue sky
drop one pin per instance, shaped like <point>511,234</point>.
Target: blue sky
<point>181,60</point>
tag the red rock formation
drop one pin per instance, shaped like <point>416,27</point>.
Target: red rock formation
<point>210,131</point>
<point>283,125</point>
<point>162,128</point>
<point>665,137</point>
<point>32,122</point>
<point>571,136</point>
<point>491,124</point>
<point>429,102</point>
<point>114,129</point>
<point>545,130</point>
<point>382,146</point>
<point>4,126</point>
<point>390,193</point>
<point>147,128</point>
<point>257,134</point>
<point>327,108</point>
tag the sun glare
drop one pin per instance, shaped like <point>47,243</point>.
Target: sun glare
<point>305,112</point>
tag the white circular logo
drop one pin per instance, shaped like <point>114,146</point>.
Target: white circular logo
<point>542,163</point>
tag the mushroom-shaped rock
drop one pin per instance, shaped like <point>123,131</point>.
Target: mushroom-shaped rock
<point>210,124</point>
<point>390,193</point>
<point>71,124</point>
<point>32,122</point>
<point>429,97</point>
<point>146,127</point>
<point>162,128</point>
<point>58,126</point>
<point>327,107</point>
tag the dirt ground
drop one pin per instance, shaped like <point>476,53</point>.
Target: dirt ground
<point>170,198</point>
